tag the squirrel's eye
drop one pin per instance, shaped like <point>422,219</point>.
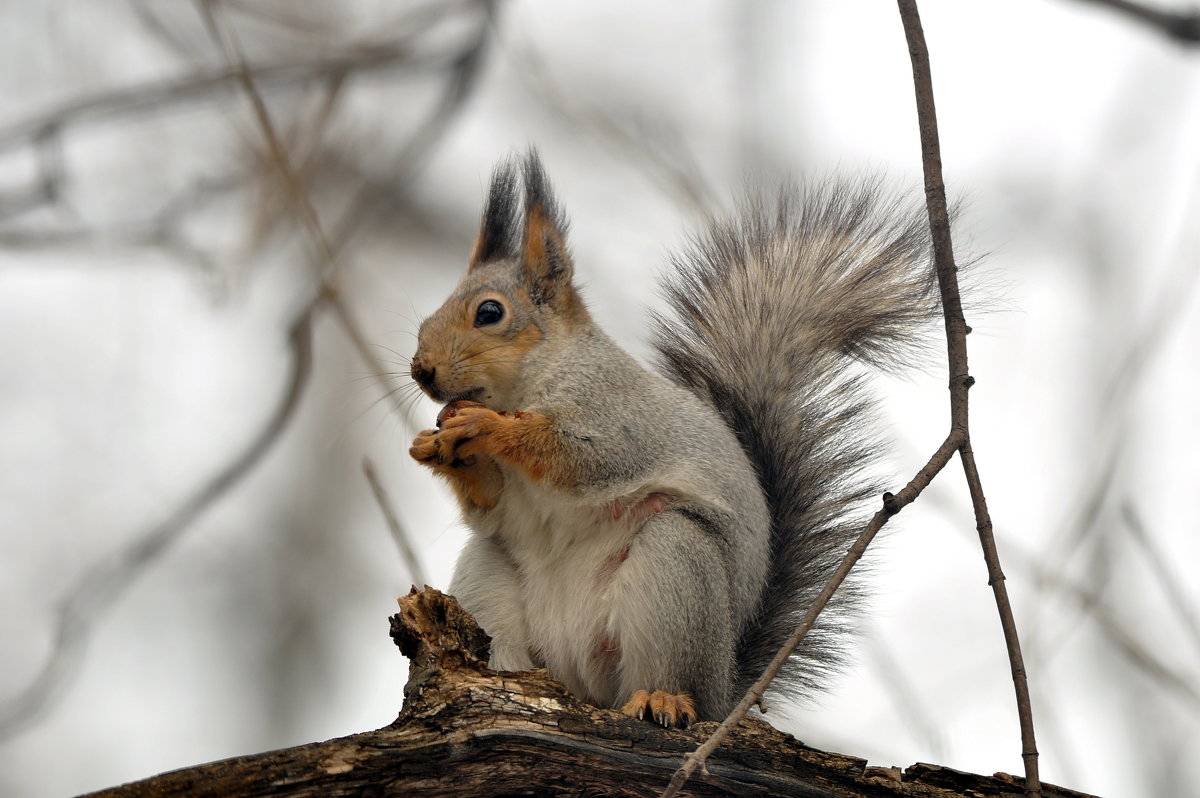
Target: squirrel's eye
<point>488,312</point>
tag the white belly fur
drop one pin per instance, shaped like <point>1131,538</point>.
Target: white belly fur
<point>566,551</point>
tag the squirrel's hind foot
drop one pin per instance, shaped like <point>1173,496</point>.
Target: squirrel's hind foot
<point>671,710</point>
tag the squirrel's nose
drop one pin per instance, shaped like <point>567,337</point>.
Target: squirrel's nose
<point>424,376</point>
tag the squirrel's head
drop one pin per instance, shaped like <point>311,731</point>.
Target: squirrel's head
<point>516,297</point>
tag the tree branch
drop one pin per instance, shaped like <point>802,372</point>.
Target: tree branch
<point>466,730</point>
<point>958,440</point>
<point>960,378</point>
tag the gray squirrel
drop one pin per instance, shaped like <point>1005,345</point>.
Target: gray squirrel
<point>651,537</point>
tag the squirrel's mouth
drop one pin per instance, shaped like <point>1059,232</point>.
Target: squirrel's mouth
<point>445,397</point>
<point>471,395</point>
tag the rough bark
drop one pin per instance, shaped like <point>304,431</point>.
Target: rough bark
<point>466,730</point>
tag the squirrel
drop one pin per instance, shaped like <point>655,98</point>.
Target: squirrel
<point>651,537</point>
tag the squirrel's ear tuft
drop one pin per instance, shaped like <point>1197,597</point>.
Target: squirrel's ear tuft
<point>544,256</point>
<point>498,228</point>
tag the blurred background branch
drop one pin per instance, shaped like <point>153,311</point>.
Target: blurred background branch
<point>107,580</point>
<point>1182,26</point>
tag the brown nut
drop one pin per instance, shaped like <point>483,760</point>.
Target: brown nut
<point>451,409</point>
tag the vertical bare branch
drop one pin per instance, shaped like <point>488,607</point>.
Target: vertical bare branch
<point>892,504</point>
<point>960,378</point>
<point>958,440</point>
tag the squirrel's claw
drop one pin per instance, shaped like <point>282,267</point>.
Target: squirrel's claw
<point>670,710</point>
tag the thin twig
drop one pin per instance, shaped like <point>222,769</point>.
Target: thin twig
<point>407,553</point>
<point>466,63</point>
<point>960,379</point>
<point>243,74</point>
<point>407,50</point>
<point>305,140</point>
<point>299,198</point>
<point>892,504</point>
<point>958,440</point>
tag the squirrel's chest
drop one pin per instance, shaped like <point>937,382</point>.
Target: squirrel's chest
<point>566,554</point>
<point>565,551</point>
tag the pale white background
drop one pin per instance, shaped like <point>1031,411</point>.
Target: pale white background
<point>129,375</point>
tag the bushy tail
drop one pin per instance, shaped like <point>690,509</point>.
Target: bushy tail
<point>773,311</point>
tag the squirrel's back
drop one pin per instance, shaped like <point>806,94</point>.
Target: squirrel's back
<point>773,312</point>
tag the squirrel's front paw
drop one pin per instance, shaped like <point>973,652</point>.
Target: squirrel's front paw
<point>458,440</point>
<point>462,434</point>
<point>424,447</point>
<point>672,710</point>
<point>441,451</point>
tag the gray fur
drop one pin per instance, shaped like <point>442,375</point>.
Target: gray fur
<point>771,309</point>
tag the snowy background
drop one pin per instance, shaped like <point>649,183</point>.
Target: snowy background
<point>151,269</point>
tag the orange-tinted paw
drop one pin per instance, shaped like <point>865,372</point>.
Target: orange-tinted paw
<point>672,710</point>
<point>424,447</point>
<point>462,433</point>
<point>449,447</point>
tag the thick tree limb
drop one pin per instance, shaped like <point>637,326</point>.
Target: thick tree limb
<point>466,730</point>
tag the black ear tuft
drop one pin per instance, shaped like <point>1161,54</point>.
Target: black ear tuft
<point>539,196</point>
<point>499,233</point>
<point>545,261</point>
